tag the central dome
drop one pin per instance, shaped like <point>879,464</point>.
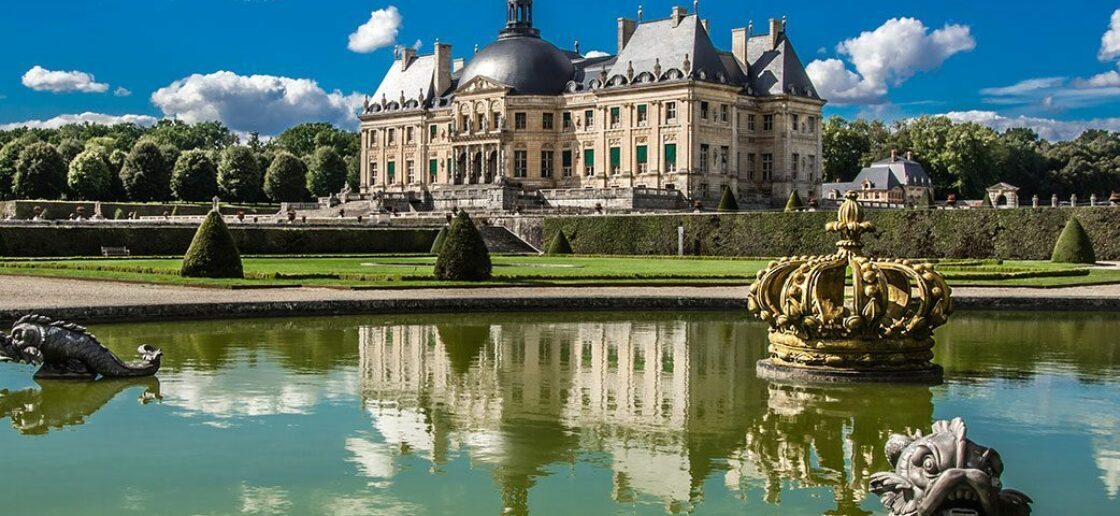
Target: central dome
<point>529,65</point>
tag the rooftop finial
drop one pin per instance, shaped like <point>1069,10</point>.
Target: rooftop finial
<point>476,48</point>
<point>696,6</point>
<point>750,27</point>
<point>519,19</point>
<point>783,23</point>
<point>639,13</point>
<point>577,46</point>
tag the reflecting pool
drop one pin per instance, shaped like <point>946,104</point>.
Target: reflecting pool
<point>550,414</point>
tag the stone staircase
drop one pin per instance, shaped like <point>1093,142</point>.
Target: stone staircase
<point>500,240</point>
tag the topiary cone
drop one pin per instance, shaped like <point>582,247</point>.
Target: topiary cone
<point>464,256</point>
<point>560,244</point>
<point>728,202</point>
<point>1074,245</point>
<point>794,203</point>
<point>213,253</point>
<point>437,244</point>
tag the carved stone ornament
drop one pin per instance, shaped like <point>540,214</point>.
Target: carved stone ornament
<point>945,473</point>
<point>878,329</point>
<point>68,351</point>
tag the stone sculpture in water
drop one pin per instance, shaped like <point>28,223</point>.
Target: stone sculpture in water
<point>69,351</point>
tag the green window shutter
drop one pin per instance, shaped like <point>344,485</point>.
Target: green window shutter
<point>643,154</point>
<point>432,131</point>
<point>588,157</point>
<point>670,153</point>
<point>615,112</point>
<point>433,167</point>
<point>616,157</point>
<point>567,156</point>
<point>392,167</point>
<point>641,109</point>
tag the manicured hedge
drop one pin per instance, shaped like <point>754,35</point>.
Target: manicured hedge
<point>61,210</point>
<point>1015,234</point>
<point>87,240</point>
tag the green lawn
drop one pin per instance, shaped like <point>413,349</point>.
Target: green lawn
<point>416,271</point>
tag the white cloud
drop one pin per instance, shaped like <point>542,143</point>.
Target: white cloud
<point>379,32</point>
<point>1110,42</point>
<point>1025,86</point>
<point>82,118</point>
<point>1101,80</point>
<point>885,57</point>
<point>121,91</point>
<point>41,79</point>
<point>1047,128</point>
<point>262,103</point>
<point>595,53</point>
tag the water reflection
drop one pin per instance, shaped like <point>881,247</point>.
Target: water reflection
<point>55,404</point>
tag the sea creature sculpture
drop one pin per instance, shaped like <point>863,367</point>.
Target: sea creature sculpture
<point>944,473</point>
<point>56,404</point>
<point>68,351</point>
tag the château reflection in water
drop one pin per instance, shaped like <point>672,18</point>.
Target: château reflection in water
<point>664,415</point>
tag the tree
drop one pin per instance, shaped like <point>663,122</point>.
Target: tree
<point>326,172</point>
<point>9,155</point>
<point>437,244</point>
<point>727,203</point>
<point>69,148</point>
<point>560,244</point>
<point>1073,245</point>
<point>184,136</point>
<point>353,172</point>
<point>794,202</point>
<point>286,179</point>
<point>170,154</point>
<point>145,175</point>
<point>239,176</point>
<point>304,139</point>
<point>464,256</point>
<point>213,253</point>
<point>195,177</point>
<point>90,178</point>
<point>40,173</point>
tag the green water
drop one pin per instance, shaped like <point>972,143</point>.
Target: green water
<point>571,414</point>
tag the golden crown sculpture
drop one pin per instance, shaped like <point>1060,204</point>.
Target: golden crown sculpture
<point>881,328</point>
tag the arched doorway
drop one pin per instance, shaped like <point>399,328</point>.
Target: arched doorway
<point>491,166</point>
<point>460,169</point>
<point>476,168</point>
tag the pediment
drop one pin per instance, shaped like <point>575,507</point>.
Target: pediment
<point>482,84</point>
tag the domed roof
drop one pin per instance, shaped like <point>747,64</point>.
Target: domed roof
<point>529,65</point>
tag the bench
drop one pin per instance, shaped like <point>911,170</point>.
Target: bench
<point>114,251</point>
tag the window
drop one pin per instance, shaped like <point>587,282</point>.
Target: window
<point>795,160</point>
<point>750,123</point>
<point>767,122</point>
<point>432,132</point>
<point>546,163</point>
<point>589,119</point>
<point>811,167</point>
<point>566,163</point>
<point>589,162</point>
<point>566,120</point>
<point>495,120</point>
<point>812,123</point>
<point>520,121</point>
<point>670,157</point>
<point>767,167</point>
<point>670,112</point>
<point>391,172</point>
<point>641,152</point>
<point>464,123</point>
<point>410,171</point>
<point>373,173</point>
<point>616,117</point>
<point>409,135</point>
<point>372,139</point>
<point>750,166</point>
<point>481,121</point>
<point>724,113</point>
<point>704,190</point>
<point>392,136</point>
<point>433,169</point>
<point>643,115</point>
<point>704,150</point>
<point>520,163</point>
<point>616,160</point>
<point>704,110</point>
<point>795,123</point>
<point>547,121</point>
<point>724,153</point>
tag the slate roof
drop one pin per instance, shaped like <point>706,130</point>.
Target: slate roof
<point>412,80</point>
<point>659,41</point>
<point>777,70</point>
<point>885,175</point>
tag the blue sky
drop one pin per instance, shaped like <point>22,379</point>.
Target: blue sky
<point>264,64</point>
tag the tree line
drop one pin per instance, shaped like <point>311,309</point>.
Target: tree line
<point>966,158</point>
<point>172,160</point>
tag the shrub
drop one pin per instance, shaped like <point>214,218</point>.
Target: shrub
<point>728,202</point>
<point>89,176</point>
<point>239,175</point>
<point>286,179</point>
<point>464,256</point>
<point>213,253</point>
<point>326,173</point>
<point>794,203</point>
<point>118,214</point>
<point>40,173</point>
<point>560,244</point>
<point>195,177</point>
<point>437,245</point>
<point>145,175</point>
<point>1073,245</point>
<point>987,201</point>
<point>925,202</point>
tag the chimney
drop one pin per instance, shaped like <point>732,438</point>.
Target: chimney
<point>407,54</point>
<point>894,155</point>
<point>626,29</point>
<point>442,79</point>
<point>776,29</point>
<point>739,38</point>
<point>678,14</point>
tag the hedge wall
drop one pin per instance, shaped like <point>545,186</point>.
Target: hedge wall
<point>61,210</point>
<point>87,240</point>
<point>1016,234</point>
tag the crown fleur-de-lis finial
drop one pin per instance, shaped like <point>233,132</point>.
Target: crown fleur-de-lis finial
<point>850,224</point>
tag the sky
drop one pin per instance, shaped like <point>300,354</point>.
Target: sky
<point>264,65</point>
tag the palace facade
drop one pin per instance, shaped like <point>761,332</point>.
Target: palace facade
<point>666,122</point>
